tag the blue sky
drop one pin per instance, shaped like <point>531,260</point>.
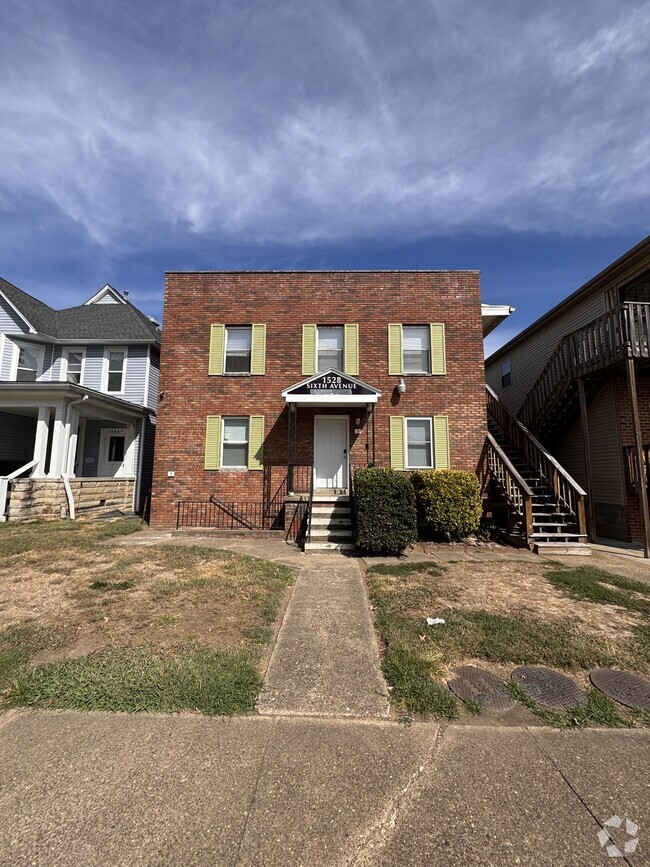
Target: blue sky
<point>493,134</point>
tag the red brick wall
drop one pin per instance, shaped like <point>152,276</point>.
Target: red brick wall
<point>284,301</point>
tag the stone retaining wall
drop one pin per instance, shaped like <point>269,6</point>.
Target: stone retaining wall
<point>34,498</point>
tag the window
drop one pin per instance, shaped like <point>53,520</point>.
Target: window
<point>330,348</point>
<point>116,449</point>
<point>416,340</point>
<point>72,365</point>
<point>115,364</point>
<point>418,443</point>
<point>30,360</point>
<point>238,350</point>
<point>505,373</point>
<point>234,447</point>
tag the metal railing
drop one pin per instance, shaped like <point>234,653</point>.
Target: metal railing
<point>310,507</point>
<point>216,514</point>
<point>566,490</point>
<point>4,487</point>
<point>299,478</point>
<point>623,332</point>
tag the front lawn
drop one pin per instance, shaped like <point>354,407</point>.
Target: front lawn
<point>87,623</point>
<point>499,615</point>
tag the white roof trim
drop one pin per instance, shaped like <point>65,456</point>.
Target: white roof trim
<point>22,315</point>
<point>106,290</point>
<point>493,315</point>
<point>314,376</point>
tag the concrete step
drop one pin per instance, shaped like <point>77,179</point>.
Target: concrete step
<point>334,498</point>
<point>329,535</point>
<point>562,549</point>
<point>324,547</point>
<point>330,521</point>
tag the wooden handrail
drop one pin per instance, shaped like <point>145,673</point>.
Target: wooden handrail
<point>623,332</point>
<point>523,484</point>
<point>566,490</point>
<point>515,489</point>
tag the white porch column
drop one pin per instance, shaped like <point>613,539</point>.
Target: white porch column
<point>40,440</point>
<point>73,431</point>
<point>59,443</point>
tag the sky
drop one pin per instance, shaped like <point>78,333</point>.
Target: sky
<point>498,135</point>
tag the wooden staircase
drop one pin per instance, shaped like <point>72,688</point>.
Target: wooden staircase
<point>546,507</point>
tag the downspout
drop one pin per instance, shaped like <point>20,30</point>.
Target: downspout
<point>65,475</point>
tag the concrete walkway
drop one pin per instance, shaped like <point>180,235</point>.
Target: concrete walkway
<point>113,789</point>
<point>326,661</point>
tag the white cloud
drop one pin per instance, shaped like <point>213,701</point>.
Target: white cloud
<point>326,121</point>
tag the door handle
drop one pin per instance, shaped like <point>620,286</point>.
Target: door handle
<point>345,451</point>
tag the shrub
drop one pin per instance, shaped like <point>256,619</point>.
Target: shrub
<point>448,502</point>
<point>386,518</point>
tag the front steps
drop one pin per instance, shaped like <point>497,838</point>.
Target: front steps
<point>331,524</point>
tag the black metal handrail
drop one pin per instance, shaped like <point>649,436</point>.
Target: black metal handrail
<point>353,511</point>
<point>219,515</point>
<point>310,506</point>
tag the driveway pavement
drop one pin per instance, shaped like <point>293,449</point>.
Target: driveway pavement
<point>112,789</point>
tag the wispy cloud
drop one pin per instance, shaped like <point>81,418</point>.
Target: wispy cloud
<point>142,123</point>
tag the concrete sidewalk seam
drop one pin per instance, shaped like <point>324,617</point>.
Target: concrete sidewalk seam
<point>251,804</point>
<point>549,758</point>
<point>377,836</point>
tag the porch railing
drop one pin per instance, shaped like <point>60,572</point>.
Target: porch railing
<point>623,332</point>
<point>310,507</point>
<point>4,487</point>
<point>299,478</point>
<point>216,514</point>
<point>497,466</point>
<point>566,490</point>
<point>633,474</point>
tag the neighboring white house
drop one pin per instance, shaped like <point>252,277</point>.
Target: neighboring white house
<point>78,398</point>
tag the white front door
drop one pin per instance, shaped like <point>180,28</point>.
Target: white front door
<point>331,451</point>
<point>116,452</point>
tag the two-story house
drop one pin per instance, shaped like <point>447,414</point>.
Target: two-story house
<point>275,386</point>
<point>78,397</point>
<point>579,378</point>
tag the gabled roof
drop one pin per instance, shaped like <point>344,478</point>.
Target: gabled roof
<point>86,322</point>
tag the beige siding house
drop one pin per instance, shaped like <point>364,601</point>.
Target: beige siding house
<point>579,379</point>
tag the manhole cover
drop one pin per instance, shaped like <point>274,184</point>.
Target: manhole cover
<point>623,686</point>
<point>483,687</point>
<point>549,688</point>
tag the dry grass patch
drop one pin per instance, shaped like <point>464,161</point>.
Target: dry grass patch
<point>99,598</point>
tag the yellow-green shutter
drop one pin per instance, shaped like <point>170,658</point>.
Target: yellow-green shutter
<point>217,338</point>
<point>258,350</point>
<point>441,442</point>
<point>256,442</point>
<point>212,442</point>
<point>395,367</point>
<point>438,356</point>
<point>309,350</point>
<point>351,349</point>
<point>397,442</point>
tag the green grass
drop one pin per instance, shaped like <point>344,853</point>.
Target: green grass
<point>143,679</point>
<point>53,536</point>
<point>599,710</point>
<point>595,585</point>
<point>413,687</point>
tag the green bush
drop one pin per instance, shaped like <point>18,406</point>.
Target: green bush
<point>386,518</point>
<point>448,502</point>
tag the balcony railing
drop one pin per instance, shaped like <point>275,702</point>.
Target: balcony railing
<point>623,332</point>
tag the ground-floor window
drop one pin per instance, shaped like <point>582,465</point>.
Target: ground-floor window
<point>234,442</point>
<point>418,443</point>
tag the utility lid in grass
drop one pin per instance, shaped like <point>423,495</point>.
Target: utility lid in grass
<point>474,684</point>
<point>623,686</point>
<point>549,688</point>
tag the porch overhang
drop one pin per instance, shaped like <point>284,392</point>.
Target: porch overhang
<point>493,315</point>
<point>331,388</point>
<point>26,396</point>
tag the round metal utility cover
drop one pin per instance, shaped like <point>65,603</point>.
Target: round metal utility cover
<point>483,687</point>
<point>623,686</point>
<point>549,688</point>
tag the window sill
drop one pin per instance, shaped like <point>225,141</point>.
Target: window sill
<point>233,469</point>
<point>237,374</point>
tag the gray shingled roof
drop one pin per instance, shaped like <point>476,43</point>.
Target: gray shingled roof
<point>85,322</point>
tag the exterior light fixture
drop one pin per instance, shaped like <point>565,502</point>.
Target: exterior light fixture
<point>401,387</point>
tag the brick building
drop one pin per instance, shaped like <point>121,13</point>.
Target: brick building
<point>275,384</point>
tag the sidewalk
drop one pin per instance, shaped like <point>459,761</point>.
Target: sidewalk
<point>112,789</point>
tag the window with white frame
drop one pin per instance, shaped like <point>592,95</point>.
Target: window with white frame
<point>506,378</point>
<point>238,349</point>
<point>29,365</point>
<point>419,454</point>
<point>330,347</point>
<point>234,442</point>
<point>115,367</point>
<point>416,348</point>
<point>72,365</point>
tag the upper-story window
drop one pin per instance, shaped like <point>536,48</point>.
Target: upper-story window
<point>330,347</point>
<point>30,363</point>
<point>506,379</point>
<point>115,368</point>
<point>416,348</point>
<point>72,366</point>
<point>238,349</point>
